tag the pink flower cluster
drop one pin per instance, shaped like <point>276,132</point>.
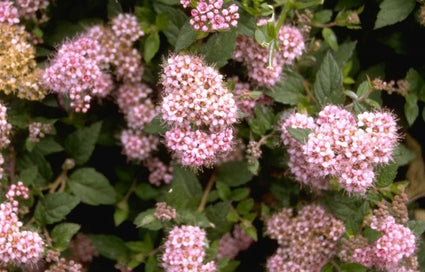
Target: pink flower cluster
<point>233,243</point>
<point>8,13</point>
<point>28,8</point>
<point>17,246</point>
<point>255,56</point>
<point>341,147</point>
<point>210,15</point>
<point>159,171</point>
<point>138,145</point>
<point>5,129</point>
<point>199,110</point>
<point>164,212</point>
<point>80,67</point>
<point>184,250</point>
<point>82,248</point>
<point>396,244</point>
<point>38,130</point>
<point>306,242</point>
<point>60,264</point>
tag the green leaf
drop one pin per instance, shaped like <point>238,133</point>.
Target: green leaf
<point>327,268</point>
<point>48,146</point>
<point>151,46</point>
<point>121,212</point>
<point>417,84</point>
<point>239,194</point>
<point>402,155</point>
<point>176,19</point>
<point>234,173</point>
<point>411,109</point>
<point>387,174</point>
<point>344,53</point>
<point>223,190</point>
<point>61,235</point>
<point>145,191</point>
<point>54,207</point>
<point>330,38</point>
<point>219,48</point>
<point>81,143</point>
<point>289,90</point>
<point>151,264</point>
<point>186,37</point>
<point>110,246</point>
<point>246,25</point>
<point>362,89</point>
<point>322,16</point>
<point>245,206</point>
<point>156,126</point>
<point>28,175</point>
<point>371,235</point>
<point>216,214</point>
<point>194,218</point>
<point>417,227</point>
<point>263,121</point>
<point>352,267</point>
<point>328,84</point>
<point>114,8</point>
<point>393,11</point>
<point>161,21</point>
<point>185,191</point>
<point>147,220</point>
<point>299,134</point>
<point>91,187</point>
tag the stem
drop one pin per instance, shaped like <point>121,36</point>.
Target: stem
<point>309,94</point>
<point>63,176</point>
<point>335,265</point>
<point>204,199</point>
<point>282,18</point>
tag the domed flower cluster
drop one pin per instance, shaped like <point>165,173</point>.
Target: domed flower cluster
<point>28,8</point>
<point>184,250</point>
<point>38,130</point>
<point>82,248</point>
<point>138,145</point>
<point>306,242</point>
<point>79,69</point>
<point>8,13</point>
<point>199,110</point>
<point>19,74</point>
<point>233,243</point>
<point>5,129</point>
<point>164,212</point>
<point>210,15</point>
<point>391,252</point>
<point>17,246</point>
<point>340,146</point>
<point>158,171</point>
<point>60,264</point>
<point>255,56</point>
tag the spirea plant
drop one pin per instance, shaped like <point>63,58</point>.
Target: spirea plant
<point>212,135</point>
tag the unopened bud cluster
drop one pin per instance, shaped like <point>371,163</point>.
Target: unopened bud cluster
<point>211,15</point>
<point>164,212</point>
<point>38,130</point>
<point>341,146</point>
<point>234,242</point>
<point>256,57</point>
<point>306,241</point>
<point>60,264</point>
<point>199,110</point>
<point>17,246</point>
<point>184,250</point>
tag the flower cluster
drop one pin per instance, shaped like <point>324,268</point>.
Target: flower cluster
<point>28,8</point>
<point>391,252</point>
<point>159,171</point>
<point>210,15</point>
<point>306,242</point>
<point>255,57</point>
<point>232,243</point>
<point>82,249</point>
<point>164,212</point>
<point>38,130</point>
<point>5,129</point>
<point>8,13</point>
<point>138,145</point>
<point>341,147</point>
<point>80,67</point>
<point>60,264</point>
<point>19,74</point>
<point>17,246</point>
<point>199,110</point>
<point>184,250</point>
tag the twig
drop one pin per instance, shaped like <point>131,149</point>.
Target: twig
<point>207,190</point>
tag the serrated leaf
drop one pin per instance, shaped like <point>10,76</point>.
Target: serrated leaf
<point>61,235</point>
<point>110,246</point>
<point>28,175</point>
<point>176,19</point>
<point>219,48</point>
<point>91,187</point>
<point>146,219</point>
<point>54,207</point>
<point>386,175</point>
<point>223,190</point>
<point>151,46</point>
<point>48,146</point>
<point>239,194</point>
<point>216,214</point>
<point>328,83</point>
<point>146,191</point>
<point>234,173</point>
<point>156,126</point>
<point>299,134</point>
<point>322,16</point>
<point>402,155</point>
<point>330,37</point>
<point>417,227</point>
<point>411,108</point>
<point>371,235</point>
<point>289,90</point>
<point>186,36</point>
<point>362,89</point>
<point>393,11</point>
<point>185,191</point>
<point>245,206</point>
<point>81,143</point>
<point>114,8</point>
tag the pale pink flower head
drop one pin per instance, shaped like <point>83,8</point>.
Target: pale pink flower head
<point>28,8</point>
<point>126,28</point>
<point>138,146</point>
<point>291,43</point>
<point>8,13</point>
